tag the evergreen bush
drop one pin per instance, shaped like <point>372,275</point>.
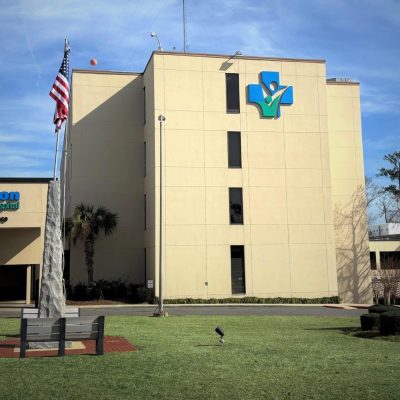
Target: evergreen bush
<point>390,323</point>
<point>381,308</point>
<point>369,321</point>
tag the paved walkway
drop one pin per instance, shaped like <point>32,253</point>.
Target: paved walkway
<point>112,344</point>
<point>178,310</point>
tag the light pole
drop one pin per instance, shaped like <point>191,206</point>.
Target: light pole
<point>160,312</point>
<point>153,34</point>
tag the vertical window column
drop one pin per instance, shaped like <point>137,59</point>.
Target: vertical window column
<point>235,205</point>
<point>145,212</point>
<point>232,93</point>
<point>234,150</point>
<point>145,158</point>
<point>237,270</point>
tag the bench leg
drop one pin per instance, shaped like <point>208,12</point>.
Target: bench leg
<point>22,349</point>
<point>61,343</point>
<point>100,339</point>
<point>22,346</point>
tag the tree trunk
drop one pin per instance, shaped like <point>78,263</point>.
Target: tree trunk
<point>89,258</point>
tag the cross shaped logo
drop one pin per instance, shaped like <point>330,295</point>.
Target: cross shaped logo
<point>272,97</point>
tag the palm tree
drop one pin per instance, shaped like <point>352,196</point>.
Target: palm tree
<point>86,224</point>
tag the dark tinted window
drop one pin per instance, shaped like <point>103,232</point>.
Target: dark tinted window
<point>236,205</point>
<point>234,150</point>
<point>232,93</point>
<point>145,265</point>
<point>372,258</point>
<point>144,105</point>
<point>145,156</point>
<point>145,212</point>
<point>237,270</point>
<point>390,259</point>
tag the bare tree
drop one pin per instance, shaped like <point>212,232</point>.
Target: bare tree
<point>372,194</point>
<point>381,203</point>
<point>392,173</point>
<point>388,207</point>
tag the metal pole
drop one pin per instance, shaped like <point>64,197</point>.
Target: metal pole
<point>184,27</point>
<point>56,156</point>
<point>160,310</point>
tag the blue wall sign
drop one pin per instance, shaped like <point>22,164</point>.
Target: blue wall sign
<point>9,201</point>
<point>270,95</point>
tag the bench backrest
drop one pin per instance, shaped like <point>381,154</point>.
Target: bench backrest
<point>84,328</point>
<point>40,329</point>
<point>70,312</point>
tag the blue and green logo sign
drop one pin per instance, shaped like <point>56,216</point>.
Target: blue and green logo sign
<point>9,201</point>
<point>270,95</point>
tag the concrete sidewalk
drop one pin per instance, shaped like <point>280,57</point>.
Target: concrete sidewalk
<point>320,310</point>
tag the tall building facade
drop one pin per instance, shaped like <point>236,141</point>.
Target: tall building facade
<point>263,176</point>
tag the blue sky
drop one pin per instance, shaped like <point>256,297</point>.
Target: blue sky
<point>358,39</point>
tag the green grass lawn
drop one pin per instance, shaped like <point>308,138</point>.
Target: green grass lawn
<point>179,358</point>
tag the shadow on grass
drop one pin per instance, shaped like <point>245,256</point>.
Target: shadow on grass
<point>358,333</point>
<point>8,346</point>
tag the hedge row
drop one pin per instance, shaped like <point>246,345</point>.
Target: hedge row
<point>381,308</point>
<point>386,319</point>
<point>256,300</point>
<point>110,290</point>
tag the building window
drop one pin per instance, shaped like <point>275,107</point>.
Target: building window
<point>390,259</point>
<point>234,150</point>
<point>145,158</point>
<point>232,93</point>
<point>144,106</point>
<point>145,212</point>
<point>372,258</point>
<point>145,266</point>
<point>236,205</point>
<point>237,270</point>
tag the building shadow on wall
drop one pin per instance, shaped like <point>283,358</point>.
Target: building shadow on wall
<point>105,161</point>
<point>352,250</point>
<point>19,239</point>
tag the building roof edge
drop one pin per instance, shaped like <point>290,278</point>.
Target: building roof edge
<point>25,180</point>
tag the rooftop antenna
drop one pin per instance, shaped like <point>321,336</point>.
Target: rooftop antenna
<point>184,27</point>
<point>153,34</point>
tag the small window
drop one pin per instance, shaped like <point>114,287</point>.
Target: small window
<point>237,270</point>
<point>145,266</point>
<point>145,212</point>
<point>234,150</point>
<point>144,106</point>
<point>144,158</point>
<point>390,259</point>
<point>372,258</point>
<point>232,93</point>
<point>236,205</point>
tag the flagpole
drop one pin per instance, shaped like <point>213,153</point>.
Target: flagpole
<point>56,156</point>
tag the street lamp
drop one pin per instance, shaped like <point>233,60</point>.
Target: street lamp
<point>160,312</point>
<point>153,34</point>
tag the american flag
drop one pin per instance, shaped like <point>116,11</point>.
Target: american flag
<point>60,90</point>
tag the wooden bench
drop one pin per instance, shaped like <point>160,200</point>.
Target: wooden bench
<point>70,312</point>
<point>60,330</point>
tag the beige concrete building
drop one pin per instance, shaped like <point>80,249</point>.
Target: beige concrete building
<point>384,246</point>
<point>22,220</point>
<point>260,197</point>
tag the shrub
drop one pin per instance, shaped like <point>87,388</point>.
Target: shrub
<point>256,300</point>
<point>140,294</point>
<point>380,308</point>
<point>369,321</point>
<point>80,291</point>
<point>390,323</point>
<point>145,294</point>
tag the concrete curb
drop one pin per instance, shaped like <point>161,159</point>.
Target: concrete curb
<point>340,306</point>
